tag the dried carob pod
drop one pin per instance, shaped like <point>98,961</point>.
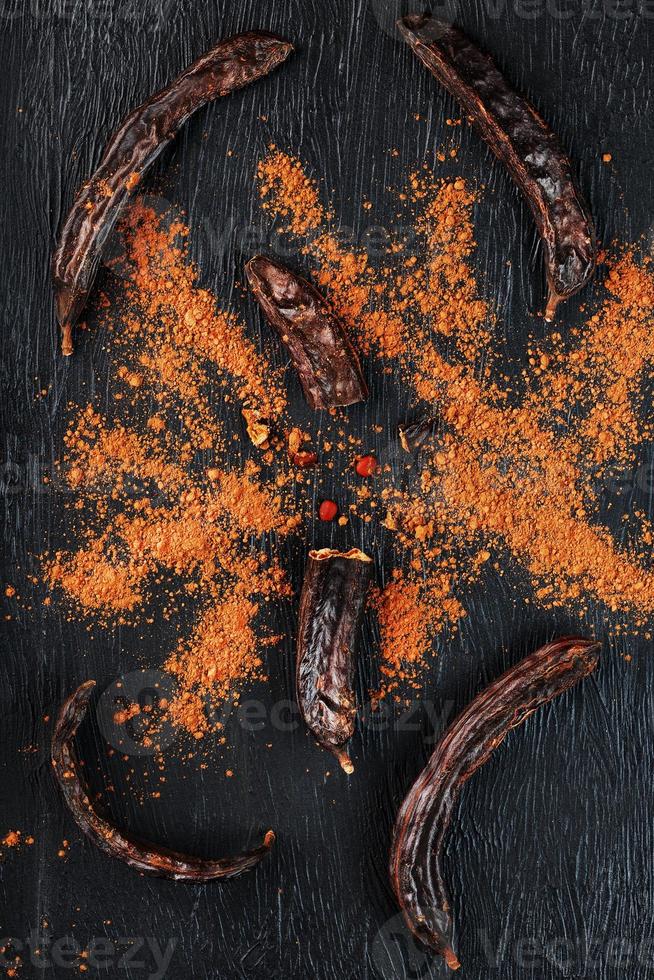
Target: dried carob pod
<point>138,854</point>
<point>226,67</point>
<point>325,360</point>
<point>524,143</point>
<point>331,607</point>
<point>425,814</point>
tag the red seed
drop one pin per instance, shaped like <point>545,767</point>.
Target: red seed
<point>327,510</point>
<point>366,466</point>
<point>305,459</point>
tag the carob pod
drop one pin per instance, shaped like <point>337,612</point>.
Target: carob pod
<point>331,607</point>
<point>417,435</point>
<point>322,355</point>
<point>229,65</point>
<point>523,142</point>
<point>138,854</point>
<point>425,814</point>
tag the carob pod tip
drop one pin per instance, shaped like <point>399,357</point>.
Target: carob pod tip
<point>416,435</point>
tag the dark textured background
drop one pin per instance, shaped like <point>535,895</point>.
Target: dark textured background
<point>550,861</point>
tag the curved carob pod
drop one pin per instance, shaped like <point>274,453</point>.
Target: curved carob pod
<point>523,142</point>
<point>229,65</point>
<point>324,358</point>
<point>141,855</point>
<point>331,607</point>
<point>425,814</point>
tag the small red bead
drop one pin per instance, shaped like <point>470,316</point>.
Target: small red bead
<point>366,466</point>
<point>327,510</point>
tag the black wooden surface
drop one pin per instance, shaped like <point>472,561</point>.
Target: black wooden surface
<point>550,862</point>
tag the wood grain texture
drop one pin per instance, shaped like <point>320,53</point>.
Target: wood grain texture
<point>554,839</point>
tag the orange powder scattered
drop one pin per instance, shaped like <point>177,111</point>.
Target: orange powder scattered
<point>410,616</point>
<point>186,328</point>
<point>198,534</point>
<point>290,192</point>
<point>223,651</point>
<point>15,839</point>
<point>98,580</point>
<point>447,291</point>
<point>287,192</point>
<point>506,475</point>
<point>161,514</point>
<point>125,715</point>
<point>386,308</point>
<point>151,524</point>
<point>251,505</point>
<point>569,558</point>
<point>602,375</point>
<point>99,452</point>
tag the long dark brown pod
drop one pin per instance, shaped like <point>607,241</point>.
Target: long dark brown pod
<point>138,854</point>
<point>322,355</point>
<point>427,810</point>
<point>229,65</point>
<point>523,142</point>
<point>331,606</point>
